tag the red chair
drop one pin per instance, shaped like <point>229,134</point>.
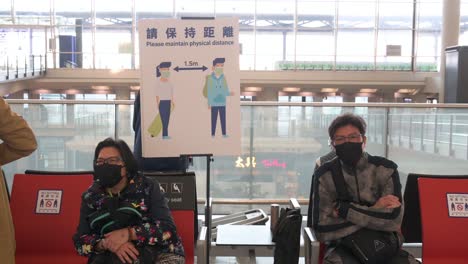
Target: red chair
<point>184,222</point>
<point>444,219</point>
<point>46,237</point>
<point>43,235</point>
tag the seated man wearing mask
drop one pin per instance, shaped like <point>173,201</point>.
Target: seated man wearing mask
<point>124,218</point>
<point>355,204</point>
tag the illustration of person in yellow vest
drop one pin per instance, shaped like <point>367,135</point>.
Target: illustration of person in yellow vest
<point>216,90</point>
<point>164,100</point>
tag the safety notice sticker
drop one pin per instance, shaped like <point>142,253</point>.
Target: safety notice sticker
<point>457,204</point>
<point>48,201</point>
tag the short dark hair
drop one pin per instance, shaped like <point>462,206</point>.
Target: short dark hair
<point>347,119</point>
<point>218,60</point>
<point>127,155</point>
<point>164,64</point>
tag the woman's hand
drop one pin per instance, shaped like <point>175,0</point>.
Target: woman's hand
<point>388,201</point>
<point>127,253</point>
<point>115,239</point>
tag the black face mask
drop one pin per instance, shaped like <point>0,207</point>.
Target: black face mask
<point>107,175</point>
<point>349,153</point>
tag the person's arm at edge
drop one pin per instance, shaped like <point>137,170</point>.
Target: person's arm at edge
<point>18,138</point>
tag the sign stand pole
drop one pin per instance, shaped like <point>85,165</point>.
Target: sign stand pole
<point>208,210</point>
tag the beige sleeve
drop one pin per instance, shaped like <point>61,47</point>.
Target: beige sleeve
<point>18,138</point>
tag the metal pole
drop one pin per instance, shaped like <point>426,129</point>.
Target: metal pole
<point>251,153</point>
<point>209,159</point>
<point>413,40</point>
<point>8,68</point>
<point>116,123</point>
<point>435,132</point>
<point>385,131</point>
<point>410,143</point>
<point>422,133</point>
<point>450,135</point>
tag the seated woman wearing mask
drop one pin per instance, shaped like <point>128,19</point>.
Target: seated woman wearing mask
<point>124,218</point>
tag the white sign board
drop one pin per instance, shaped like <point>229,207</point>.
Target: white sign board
<point>48,201</point>
<point>394,50</point>
<point>189,87</point>
<point>457,204</point>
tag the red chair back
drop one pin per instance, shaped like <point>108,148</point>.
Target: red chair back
<point>185,228</point>
<point>444,219</point>
<point>45,210</point>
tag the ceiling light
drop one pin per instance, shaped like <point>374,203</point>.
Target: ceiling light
<point>72,91</point>
<point>253,89</point>
<point>405,91</point>
<point>291,89</point>
<point>329,90</point>
<point>100,87</point>
<point>367,90</point>
<point>249,93</point>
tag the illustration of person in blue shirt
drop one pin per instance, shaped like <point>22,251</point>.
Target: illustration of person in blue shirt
<point>216,90</point>
<point>165,96</point>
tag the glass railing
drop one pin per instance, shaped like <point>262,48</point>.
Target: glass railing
<point>21,66</point>
<point>280,142</point>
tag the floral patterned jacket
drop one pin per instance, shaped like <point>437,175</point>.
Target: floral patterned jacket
<point>154,228</point>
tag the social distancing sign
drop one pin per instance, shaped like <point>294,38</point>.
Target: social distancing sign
<point>457,204</point>
<point>190,87</point>
<point>48,201</point>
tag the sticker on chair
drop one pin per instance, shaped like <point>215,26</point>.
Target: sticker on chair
<point>48,201</point>
<point>457,204</point>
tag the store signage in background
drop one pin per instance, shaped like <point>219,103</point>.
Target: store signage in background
<point>251,162</point>
<point>246,162</point>
<point>394,50</point>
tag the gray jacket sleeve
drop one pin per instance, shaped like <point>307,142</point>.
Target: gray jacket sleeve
<point>376,218</point>
<point>327,225</point>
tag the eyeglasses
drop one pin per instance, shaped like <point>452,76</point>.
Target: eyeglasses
<point>354,138</point>
<point>110,160</point>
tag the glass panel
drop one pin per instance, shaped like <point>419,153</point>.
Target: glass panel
<point>29,12</point>
<point>275,33</point>
<point>5,13</point>
<point>200,8</point>
<point>356,31</point>
<point>396,15</point>
<point>279,144</point>
<point>247,48</point>
<point>315,45</point>
<point>394,50</point>
<point>244,10</point>
<point>110,12</point>
<point>67,12</point>
<point>154,9</point>
<point>114,47</point>
<point>356,14</point>
<point>463,38</point>
<point>66,133</point>
<point>435,136</point>
<point>429,24</point>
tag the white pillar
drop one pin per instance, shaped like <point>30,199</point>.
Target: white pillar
<point>450,34</point>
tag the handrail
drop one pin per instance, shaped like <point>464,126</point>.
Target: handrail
<point>254,103</point>
<point>255,201</point>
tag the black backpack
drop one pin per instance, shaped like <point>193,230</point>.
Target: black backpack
<point>286,235</point>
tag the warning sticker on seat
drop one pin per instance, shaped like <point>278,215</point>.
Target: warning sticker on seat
<point>48,201</point>
<point>457,204</point>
